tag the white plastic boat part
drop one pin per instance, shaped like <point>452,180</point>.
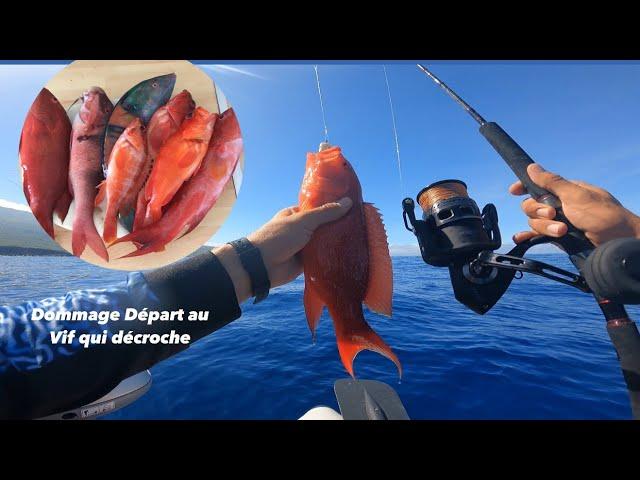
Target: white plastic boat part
<point>321,413</point>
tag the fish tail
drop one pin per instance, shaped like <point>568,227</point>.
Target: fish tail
<point>144,243</point>
<point>148,248</point>
<point>130,237</point>
<point>110,224</point>
<point>85,232</point>
<point>62,205</point>
<point>353,335</point>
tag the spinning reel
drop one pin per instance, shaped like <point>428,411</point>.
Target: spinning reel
<point>454,233</point>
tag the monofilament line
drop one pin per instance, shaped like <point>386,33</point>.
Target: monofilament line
<point>324,120</point>
<point>395,130</point>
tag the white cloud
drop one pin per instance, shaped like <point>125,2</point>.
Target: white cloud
<point>404,250</point>
<point>14,205</point>
<point>233,70</point>
<point>414,250</point>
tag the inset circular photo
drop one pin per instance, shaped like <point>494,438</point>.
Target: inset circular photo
<point>131,165</point>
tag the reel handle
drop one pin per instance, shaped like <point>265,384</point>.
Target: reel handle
<point>518,160</point>
<point>408,207</point>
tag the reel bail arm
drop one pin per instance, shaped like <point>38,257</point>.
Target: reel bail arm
<point>488,259</point>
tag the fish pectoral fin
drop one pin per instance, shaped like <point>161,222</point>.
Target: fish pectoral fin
<point>313,306</point>
<point>380,287</point>
<point>62,205</point>
<point>102,191</point>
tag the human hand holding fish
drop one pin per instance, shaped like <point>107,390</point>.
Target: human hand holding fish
<point>280,241</point>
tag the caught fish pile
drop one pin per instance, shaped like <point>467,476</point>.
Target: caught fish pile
<point>196,196</point>
<point>159,162</point>
<point>346,263</point>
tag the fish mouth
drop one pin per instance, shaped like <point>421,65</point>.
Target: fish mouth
<point>92,93</point>
<point>150,95</point>
<point>94,90</point>
<point>95,105</point>
<point>184,100</point>
<point>163,82</point>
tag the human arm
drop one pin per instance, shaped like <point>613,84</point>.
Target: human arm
<point>589,208</point>
<point>38,377</point>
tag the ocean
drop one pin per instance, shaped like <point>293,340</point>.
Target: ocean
<point>541,353</point>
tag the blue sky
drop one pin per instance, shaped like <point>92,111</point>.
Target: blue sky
<point>580,119</point>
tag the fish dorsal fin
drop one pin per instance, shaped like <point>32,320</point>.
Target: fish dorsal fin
<point>380,287</point>
<point>313,306</point>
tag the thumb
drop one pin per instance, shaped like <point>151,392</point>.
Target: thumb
<point>552,182</point>
<point>326,213</point>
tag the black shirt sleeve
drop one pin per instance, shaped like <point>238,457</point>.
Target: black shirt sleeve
<point>197,283</point>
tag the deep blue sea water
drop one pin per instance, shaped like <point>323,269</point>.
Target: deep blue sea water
<point>541,353</point>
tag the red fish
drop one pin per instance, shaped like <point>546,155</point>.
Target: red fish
<point>85,170</point>
<point>127,172</point>
<point>141,101</point>
<point>177,161</point>
<point>44,158</point>
<point>346,262</point>
<point>164,123</point>
<point>198,195</point>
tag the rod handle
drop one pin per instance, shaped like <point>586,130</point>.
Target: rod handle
<point>626,340</point>
<point>518,160</point>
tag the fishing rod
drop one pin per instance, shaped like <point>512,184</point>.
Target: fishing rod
<point>453,232</point>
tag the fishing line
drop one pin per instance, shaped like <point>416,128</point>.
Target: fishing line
<point>324,120</point>
<point>395,131</point>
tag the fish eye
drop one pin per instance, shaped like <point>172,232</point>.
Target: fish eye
<point>344,164</point>
<point>154,84</point>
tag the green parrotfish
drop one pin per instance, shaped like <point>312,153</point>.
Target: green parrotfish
<point>141,102</point>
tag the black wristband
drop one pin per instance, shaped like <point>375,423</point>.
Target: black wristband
<point>252,261</point>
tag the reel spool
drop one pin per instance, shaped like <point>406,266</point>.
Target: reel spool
<point>452,226</point>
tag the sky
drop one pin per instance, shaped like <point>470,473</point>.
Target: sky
<point>579,119</point>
